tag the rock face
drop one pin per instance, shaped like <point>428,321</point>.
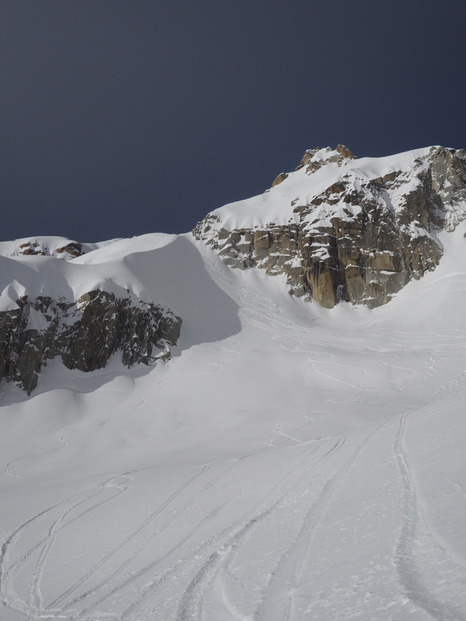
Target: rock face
<point>83,333</point>
<point>345,229</point>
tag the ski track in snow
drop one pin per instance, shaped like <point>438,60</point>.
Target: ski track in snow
<point>289,569</point>
<point>62,445</point>
<point>125,541</point>
<point>203,584</point>
<point>192,602</point>
<point>457,485</point>
<point>195,576</point>
<point>33,607</point>
<point>62,606</point>
<point>417,539</point>
<point>147,569</point>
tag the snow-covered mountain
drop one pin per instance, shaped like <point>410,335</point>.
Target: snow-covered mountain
<point>289,461</point>
<point>346,229</point>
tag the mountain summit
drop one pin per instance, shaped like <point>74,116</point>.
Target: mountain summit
<point>340,228</point>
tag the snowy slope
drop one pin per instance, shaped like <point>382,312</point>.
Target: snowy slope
<point>300,186</point>
<point>289,462</point>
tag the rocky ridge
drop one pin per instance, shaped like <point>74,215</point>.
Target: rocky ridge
<point>342,229</point>
<point>84,333</point>
<point>58,247</point>
<point>336,229</point>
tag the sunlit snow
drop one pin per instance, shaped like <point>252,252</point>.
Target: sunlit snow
<point>289,462</point>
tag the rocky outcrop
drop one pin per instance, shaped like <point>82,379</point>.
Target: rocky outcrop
<point>279,179</point>
<point>355,235</point>
<point>313,159</point>
<point>69,250</point>
<point>83,333</point>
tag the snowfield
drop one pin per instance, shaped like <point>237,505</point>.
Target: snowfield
<point>289,462</point>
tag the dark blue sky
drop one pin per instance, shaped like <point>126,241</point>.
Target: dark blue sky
<point>122,117</point>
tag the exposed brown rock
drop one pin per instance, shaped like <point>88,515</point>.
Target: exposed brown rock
<point>84,334</point>
<point>74,249</point>
<point>344,151</point>
<point>30,248</point>
<point>363,250</point>
<point>279,179</point>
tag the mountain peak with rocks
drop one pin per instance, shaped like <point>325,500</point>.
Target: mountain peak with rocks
<point>336,229</point>
<point>345,229</point>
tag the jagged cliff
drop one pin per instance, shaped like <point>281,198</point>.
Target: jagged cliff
<point>345,229</point>
<point>83,333</point>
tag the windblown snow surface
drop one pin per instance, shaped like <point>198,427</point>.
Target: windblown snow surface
<point>288,463</point>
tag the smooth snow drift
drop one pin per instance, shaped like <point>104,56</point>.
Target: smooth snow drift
<point>289,462</point>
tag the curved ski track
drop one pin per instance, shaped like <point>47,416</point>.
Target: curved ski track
<point>418,542</point>
<point>198,575</point>
<point>193,602</point>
